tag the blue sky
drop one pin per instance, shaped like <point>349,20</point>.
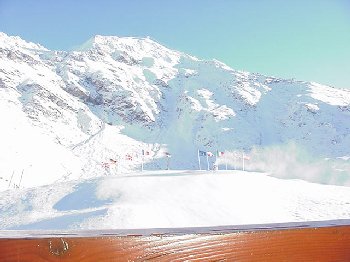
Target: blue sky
<point>307,40</point>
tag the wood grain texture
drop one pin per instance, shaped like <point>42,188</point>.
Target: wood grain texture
<point>297,244</point>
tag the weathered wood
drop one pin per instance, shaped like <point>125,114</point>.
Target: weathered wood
<point>296,243</point>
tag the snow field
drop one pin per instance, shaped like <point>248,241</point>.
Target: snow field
<point>172,199</point>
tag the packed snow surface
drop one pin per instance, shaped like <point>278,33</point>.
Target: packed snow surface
<point>155,199</point>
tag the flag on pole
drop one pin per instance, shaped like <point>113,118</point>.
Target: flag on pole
<point>167,154</point>
<point>220,153</point>
<point>128,157</point>
<point>105,165</point>
<point>209,153</point>
<point>145,153</point>
<point>202,153</point>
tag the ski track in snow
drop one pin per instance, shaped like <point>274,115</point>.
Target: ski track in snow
<point>91,137</point>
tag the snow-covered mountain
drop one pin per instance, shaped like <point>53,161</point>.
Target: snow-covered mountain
<point>66,115</point>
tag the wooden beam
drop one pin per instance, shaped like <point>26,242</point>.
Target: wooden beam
<point>278,242</point>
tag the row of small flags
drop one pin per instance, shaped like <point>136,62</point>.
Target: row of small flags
<point>205,153</point>
<point>130,157</point>
<point>147,153</point>
<point>219,154</point>
<point>208,154</point>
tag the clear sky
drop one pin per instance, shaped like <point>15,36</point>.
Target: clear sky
<point>302,39</point>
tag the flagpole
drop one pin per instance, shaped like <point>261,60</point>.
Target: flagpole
<point>20,181</point>
<point>208,161</point>
<point>234,160</point>
<point>199,160</point>
<point>11,179</point>
<point>216,159</point>
<point>142,163</point>
<point>243,160</point>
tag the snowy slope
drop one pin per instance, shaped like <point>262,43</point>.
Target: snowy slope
<point>64,115</point>
<point>167,199</point>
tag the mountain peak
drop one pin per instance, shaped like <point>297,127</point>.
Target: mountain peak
<point>99,40</point>
<point>7,41</point>
<point>126,44</point>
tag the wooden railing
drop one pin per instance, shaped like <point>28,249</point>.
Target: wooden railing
<point>310,241</point>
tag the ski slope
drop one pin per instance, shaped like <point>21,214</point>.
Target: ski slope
<point>154,199</point>
<point>73,126</point>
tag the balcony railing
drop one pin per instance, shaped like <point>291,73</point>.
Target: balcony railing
<point>309,241</point>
